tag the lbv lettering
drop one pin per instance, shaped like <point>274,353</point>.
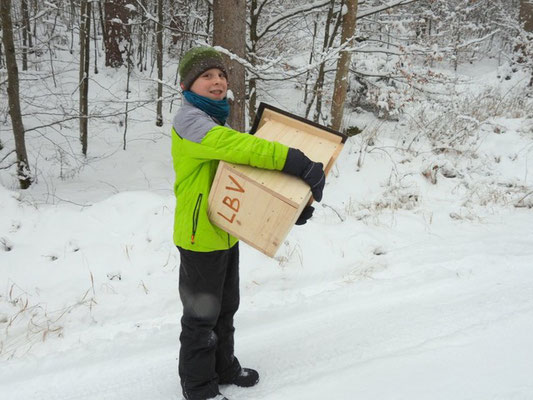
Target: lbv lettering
<point>233,203</point>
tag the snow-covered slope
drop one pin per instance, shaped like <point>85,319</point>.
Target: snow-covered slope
<point>398,288</point>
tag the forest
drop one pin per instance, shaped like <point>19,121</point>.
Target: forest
<point>370,55</point>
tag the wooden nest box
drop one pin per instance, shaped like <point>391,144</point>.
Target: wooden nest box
<point>260,206</point>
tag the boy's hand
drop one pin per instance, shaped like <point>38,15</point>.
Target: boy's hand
<point>315,178</point>
<point>310,172</point>
<point>307,213</point>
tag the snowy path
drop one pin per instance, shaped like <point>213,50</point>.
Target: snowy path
<point>456,324</point>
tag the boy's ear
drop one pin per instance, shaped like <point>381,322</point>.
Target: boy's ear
<point>182,86</point>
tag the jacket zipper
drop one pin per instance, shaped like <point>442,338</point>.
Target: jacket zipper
<point>195,215</point>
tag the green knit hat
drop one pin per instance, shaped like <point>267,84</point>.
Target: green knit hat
<point>196,61</point>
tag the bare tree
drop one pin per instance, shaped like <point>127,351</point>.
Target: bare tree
<point>23,169</point>
<point>333,21</point>
<point>26,34</point>
<point>85,42</point>
<point>343,64</point>
<point>159,113</point>
<point>229,32</point>
<point>266,19</point>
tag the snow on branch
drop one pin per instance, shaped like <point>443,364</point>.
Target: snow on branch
<point>150,17</point>
<point>375,10</point>
<point>478,40</point>
<point>289,14</point>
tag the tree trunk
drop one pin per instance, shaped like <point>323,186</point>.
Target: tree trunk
<point>1,55</point>
<point>526,15</point>
<point>176,23</point>
<point>23,168</point>
<point>229,32</point>
<point>71,20</point>
<point>319,84</point>
<point>129,63</point>
<point>252,82</point>
<point>142,42</point>
<point>116,32</point>
<point>311,54</point>
<point>85,41</point>
<point>26,34</point>
<point>95,35</point>
<point>343,65</point>
<point>526,20</point>
<point>35,12</point>
<point>159,113</point>
<point>322,75</point>
<point>101,16</point>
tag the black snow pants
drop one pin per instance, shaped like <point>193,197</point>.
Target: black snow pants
<point>209,292</point>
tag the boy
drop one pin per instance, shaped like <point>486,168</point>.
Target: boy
<point>209,256</point>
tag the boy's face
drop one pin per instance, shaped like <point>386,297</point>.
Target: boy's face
<point>211,84</point>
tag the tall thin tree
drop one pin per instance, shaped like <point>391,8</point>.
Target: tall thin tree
<point>343,64</point>
<point>23,168</point>
<point>85,43</point>
<point>229,32</point>
<point>26,34</point>
<point>159,112</point>
<point>333,21</point>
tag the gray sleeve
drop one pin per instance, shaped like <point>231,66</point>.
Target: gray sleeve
<point>192,124</point>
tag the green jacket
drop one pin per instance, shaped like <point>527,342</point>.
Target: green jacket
<point>198,143</point>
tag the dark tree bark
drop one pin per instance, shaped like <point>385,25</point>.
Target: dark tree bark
<point>102,21</point>
<point>229,32</point>
<point>116,32</point>
<point>176,23</point>
<point>23,168</point>
<point>85,42</point>
<point>159,112</point>
<point>26,34</point>
<point>526,15</point>
<point>142,42</point>
<point>95,41</point>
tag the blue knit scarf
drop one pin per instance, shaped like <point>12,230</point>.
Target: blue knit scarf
<point>218,109</point>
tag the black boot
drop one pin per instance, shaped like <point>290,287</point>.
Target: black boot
<point>245,377</point>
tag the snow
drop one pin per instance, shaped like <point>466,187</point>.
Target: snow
<point>398,288</point>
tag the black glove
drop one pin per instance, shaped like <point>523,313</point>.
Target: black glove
<point>307,213</point>
<point>312,173</point>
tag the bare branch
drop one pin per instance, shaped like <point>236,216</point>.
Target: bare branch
<point>7,155</point>
<point>150,17</point>
<point>375,10</point>
<point>290,14</point>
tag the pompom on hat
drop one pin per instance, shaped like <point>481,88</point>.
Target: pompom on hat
<point>196,61</point>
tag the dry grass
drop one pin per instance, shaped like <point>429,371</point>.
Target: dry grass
<point>28,323</point>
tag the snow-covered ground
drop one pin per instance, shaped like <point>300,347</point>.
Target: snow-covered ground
<point>413,280</point>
